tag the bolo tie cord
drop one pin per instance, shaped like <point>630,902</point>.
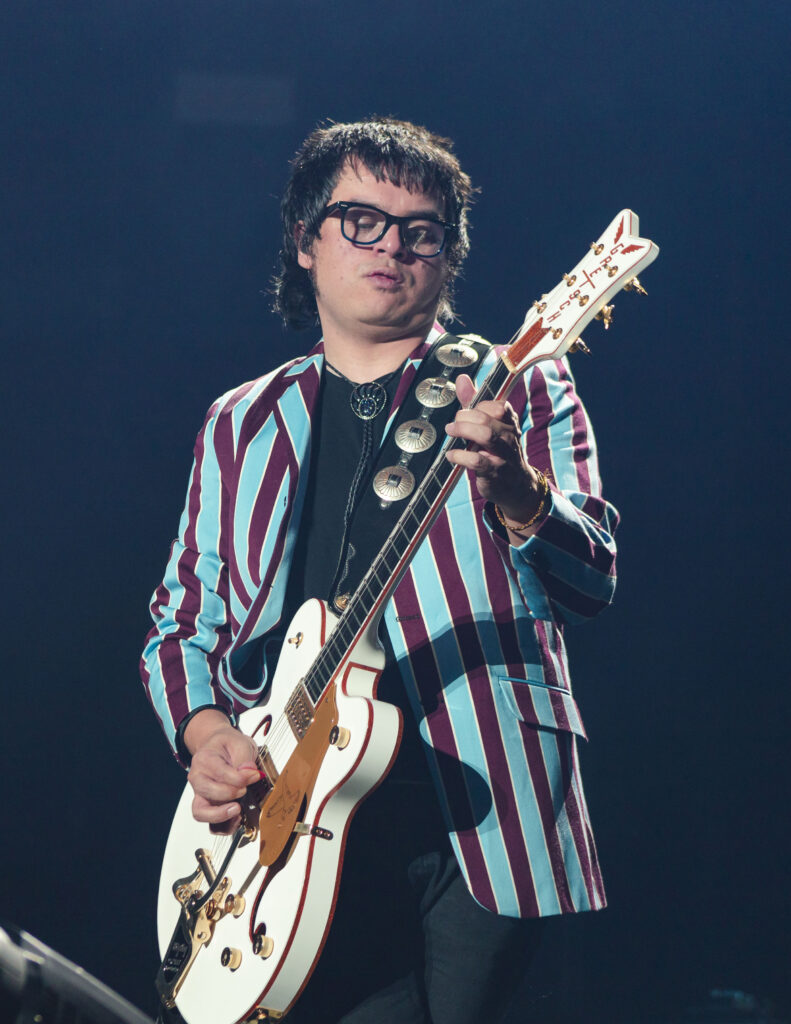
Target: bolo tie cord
<point>367,400</point>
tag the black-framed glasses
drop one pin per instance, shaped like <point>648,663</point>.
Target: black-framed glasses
<point>365,225</point>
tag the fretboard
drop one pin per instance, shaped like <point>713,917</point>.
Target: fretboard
<point>398,550</point>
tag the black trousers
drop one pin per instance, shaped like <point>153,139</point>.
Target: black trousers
<point>408,944</point>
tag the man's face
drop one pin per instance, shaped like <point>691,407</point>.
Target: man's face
<point>383,290</point>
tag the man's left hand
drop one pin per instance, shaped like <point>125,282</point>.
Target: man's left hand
<point>495,455</point>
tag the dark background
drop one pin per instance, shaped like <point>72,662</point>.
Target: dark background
<point>144,148</point>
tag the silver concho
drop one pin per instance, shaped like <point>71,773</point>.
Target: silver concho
<point>415,436</point>
<point>436,392</point>
<point>456,354</point>
<point>394,483</point>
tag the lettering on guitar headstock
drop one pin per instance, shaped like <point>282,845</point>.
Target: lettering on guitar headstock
<point>605,265</point>
<point>554,323</point>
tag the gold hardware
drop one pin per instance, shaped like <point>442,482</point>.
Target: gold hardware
<point>340,736</point>
<point>539,307</point>
<point>231,958</point>
<point>296,640</point>
<point>605,314</point>
<point>200,925</point>
<point>580,346</point>
<point>612,271</point>
<point>556,333</point>
<point>584,300</point>
<point>263,946</point>
<point>633,284</point>
<point>235,904</point>
<point>569,279</point>
<point>203,858</point>
<point>299,711</point>
<point>301,828</point>
<point>598,249</point>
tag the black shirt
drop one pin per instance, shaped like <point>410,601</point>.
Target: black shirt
<point>334,549</point>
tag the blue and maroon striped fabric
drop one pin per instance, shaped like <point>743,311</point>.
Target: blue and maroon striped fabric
<point>476,624</point>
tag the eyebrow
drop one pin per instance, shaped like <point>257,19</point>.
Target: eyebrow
<point>428,214</point>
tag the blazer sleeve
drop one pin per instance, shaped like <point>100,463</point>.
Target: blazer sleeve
<point>566,569</point>
<point>190,607</point>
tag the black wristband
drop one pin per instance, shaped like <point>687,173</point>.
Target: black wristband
<point>181,749</point>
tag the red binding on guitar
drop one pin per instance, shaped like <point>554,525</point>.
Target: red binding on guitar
<point>242,919</point>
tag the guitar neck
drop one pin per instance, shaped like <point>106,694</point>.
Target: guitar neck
<point>551,328</point>
<point>394,559</point>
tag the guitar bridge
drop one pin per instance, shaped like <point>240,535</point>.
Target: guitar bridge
<point>299,711</point>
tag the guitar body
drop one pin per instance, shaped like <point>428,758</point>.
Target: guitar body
<point>242,919</point>
<point>287,874</point>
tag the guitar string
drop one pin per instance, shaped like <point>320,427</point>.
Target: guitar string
<point>330,657</point>
<point>281,735</point>
<point>491,386</point>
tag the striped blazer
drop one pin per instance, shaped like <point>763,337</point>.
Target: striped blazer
<point>476,624</point>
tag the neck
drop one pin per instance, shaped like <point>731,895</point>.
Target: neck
<point>363,360</point>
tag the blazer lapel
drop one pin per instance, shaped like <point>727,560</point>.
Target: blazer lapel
<point>275,515</point>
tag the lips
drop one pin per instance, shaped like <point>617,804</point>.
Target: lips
<point>384,276</point>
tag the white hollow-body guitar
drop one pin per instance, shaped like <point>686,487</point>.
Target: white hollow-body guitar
<point>242,919</point>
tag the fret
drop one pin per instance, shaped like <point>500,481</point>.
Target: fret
<point>551,328</point>
<point>378,583</point>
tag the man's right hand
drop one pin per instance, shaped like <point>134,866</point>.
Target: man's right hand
<point>223,766</point>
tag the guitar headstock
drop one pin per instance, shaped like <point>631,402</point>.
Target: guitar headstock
<point>555,321</point>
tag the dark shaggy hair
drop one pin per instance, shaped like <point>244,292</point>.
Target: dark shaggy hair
<point>405,154</point>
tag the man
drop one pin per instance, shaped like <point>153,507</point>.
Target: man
<point>375,231</point>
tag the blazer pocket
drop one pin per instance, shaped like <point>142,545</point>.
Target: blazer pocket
<point>547,707</point>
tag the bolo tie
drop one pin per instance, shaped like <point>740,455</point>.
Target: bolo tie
<point>367,400</point>
<point>412,437</point>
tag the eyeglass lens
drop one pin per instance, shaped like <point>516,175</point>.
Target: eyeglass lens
<point>363,225</point>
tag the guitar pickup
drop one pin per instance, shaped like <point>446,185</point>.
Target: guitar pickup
<point>303,829</point>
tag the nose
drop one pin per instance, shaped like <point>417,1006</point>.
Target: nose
<point>391,242</point>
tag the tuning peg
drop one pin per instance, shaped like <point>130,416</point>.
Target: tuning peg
<point>633,285</point>
<point>579,346</point>
<point>605,314</point>
<point>569,279</point>
<point>598,248</point>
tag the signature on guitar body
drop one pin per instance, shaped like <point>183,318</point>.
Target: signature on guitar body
<point>242,919</point>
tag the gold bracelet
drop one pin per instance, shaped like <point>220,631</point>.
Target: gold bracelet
<point>518,527</point>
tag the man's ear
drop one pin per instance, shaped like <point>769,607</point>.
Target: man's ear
<point>304,259</point>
